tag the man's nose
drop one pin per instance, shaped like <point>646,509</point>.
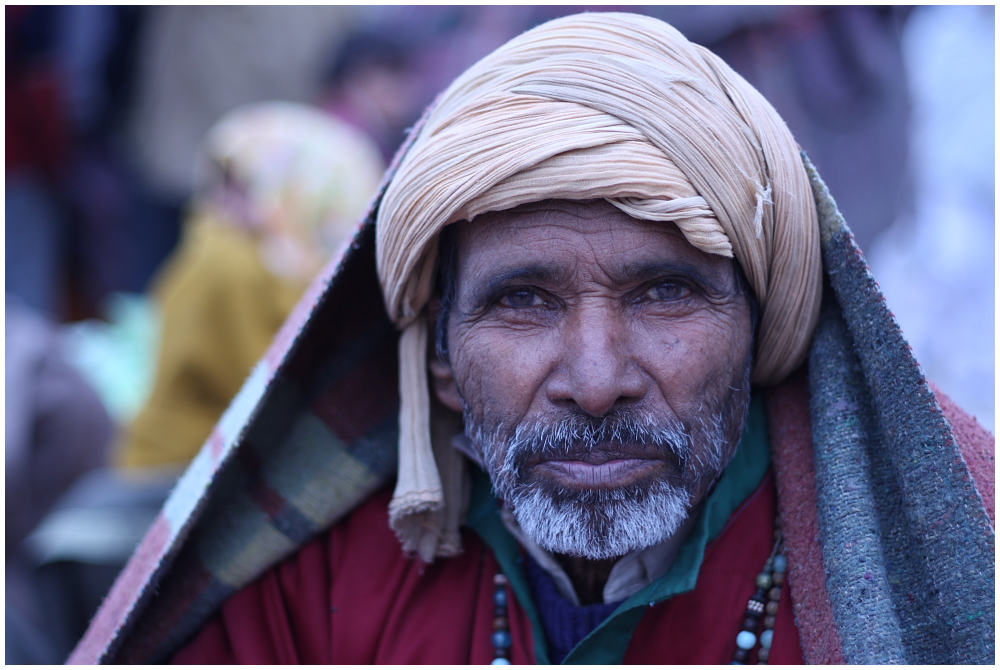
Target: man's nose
<point>598,370</point>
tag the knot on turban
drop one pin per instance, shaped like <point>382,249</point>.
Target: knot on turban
<point>605,105</point>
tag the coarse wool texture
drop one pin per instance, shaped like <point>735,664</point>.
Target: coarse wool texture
<point>614,106</point>
<point>908,542</point>
<point>315,429</point>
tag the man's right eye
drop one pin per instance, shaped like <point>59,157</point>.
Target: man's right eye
<point>521,298</point>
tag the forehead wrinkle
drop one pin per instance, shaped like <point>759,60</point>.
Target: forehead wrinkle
<point>623,250</point>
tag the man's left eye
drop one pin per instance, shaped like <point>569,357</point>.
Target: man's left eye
<point>666,291</point>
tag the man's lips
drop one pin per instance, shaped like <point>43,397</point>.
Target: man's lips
<point>599,468</point>
<point>610,474</point>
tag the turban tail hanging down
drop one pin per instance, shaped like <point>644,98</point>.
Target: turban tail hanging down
<point>612,106</point>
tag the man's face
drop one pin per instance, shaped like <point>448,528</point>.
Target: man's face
<point>603,367</point>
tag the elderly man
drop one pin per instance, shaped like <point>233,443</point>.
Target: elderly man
<point>623,297</point>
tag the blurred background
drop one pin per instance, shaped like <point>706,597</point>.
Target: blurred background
<point>164,214</point>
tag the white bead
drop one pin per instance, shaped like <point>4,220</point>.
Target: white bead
<point>746,640</point>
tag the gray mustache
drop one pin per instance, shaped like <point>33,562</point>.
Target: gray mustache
<point>627,434</point>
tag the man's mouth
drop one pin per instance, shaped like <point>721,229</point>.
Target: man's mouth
<point>600,468</point>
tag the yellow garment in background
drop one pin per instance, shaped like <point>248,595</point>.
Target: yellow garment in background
<point>220,308</point>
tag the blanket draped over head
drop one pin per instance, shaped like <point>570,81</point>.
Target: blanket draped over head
<point>885,488</point>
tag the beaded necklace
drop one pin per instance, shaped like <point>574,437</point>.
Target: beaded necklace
<point>762,604</point>
<point>502,639</point>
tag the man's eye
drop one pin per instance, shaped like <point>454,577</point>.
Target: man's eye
<point>666,291</point>
<point>520,298</point>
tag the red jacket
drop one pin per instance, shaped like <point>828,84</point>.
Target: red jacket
<point>351,596</point>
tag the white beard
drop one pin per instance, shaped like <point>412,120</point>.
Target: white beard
<point>612,527</point>
<point>599,523</point>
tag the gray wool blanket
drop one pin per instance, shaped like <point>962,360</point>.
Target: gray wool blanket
<point>907,543</point>
<point>885,489</point>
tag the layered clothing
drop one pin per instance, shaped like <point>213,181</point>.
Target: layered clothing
<point>312,435</point>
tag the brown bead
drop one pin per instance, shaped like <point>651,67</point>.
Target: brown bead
<point>769,622</point>
<point>500,623</point>
<point>778,578</point>
<point>741,655</point>
<point>777,532</point>
<point>763,655</point>
<point>771,608</point>
<point>774,593</point>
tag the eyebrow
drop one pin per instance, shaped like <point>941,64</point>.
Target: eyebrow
<point>641,272</point>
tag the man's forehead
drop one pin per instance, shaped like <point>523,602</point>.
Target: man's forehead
<point>553,240</point>
<point>548,217</point>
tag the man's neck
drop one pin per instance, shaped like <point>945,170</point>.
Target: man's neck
<point>588,576</point>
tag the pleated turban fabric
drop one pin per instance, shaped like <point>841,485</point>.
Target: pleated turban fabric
<point>599,105</point>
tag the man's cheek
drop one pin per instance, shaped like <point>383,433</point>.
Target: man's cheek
<point>506,351</point>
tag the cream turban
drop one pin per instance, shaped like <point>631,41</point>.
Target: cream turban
<point>614,106</point>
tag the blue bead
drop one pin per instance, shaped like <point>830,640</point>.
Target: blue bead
<point>746,640</point>
<point>500,661</point>
<point>502,639</point>
<point>780,563</point>
<point>765,638</point>
<point>500,597</point>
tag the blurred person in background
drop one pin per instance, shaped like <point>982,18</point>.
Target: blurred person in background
<point>37,144</point>
<point>56,429</point>
<point>70,197</point>
<point>394,60</point>
<point>194,64</point>
<point>374,83</point>
<point>282,187</point>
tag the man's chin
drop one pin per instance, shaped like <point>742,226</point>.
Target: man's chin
<point>600,523</point>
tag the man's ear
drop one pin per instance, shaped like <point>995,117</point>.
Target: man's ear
<point>443,381</point>
<point>442,377</point>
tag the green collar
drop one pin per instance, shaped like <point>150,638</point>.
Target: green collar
<point>607,643</point>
